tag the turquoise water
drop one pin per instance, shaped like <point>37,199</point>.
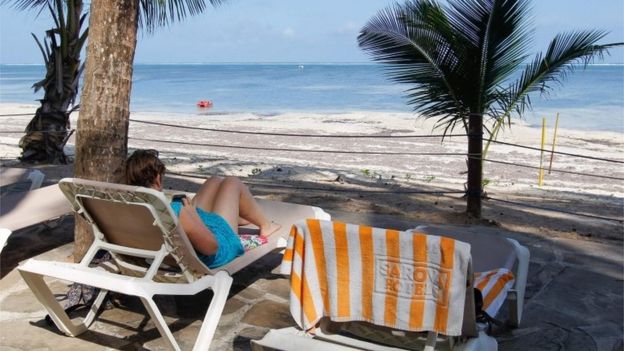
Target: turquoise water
<point>589,99</point>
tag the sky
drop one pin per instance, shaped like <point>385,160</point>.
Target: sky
<point>293,31</point>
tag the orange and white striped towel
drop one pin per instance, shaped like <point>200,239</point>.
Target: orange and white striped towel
<point>403,280</point>
<point>494,286</point>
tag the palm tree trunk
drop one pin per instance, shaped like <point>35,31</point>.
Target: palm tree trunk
<point>47,132</point>
<point>475,149</point>
<point>102,137</point>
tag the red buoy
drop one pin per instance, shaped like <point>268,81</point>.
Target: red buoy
<point>204,103</point>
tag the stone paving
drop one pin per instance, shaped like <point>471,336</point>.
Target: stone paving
<point>574,300</point>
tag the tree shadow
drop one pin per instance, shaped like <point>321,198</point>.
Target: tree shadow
<point>35,240</point>
<point>574,287</point>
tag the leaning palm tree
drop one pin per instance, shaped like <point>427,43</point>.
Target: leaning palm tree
<point>102,133</point>
<point>48,131</point>
<point>460,59</point>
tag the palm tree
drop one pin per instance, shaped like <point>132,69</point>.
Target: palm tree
<point>460,59</point>
<point>102,133</point>
<point>48,131</point>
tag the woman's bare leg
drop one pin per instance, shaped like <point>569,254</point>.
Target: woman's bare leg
<point>205,197</point>
<point>234,200</point>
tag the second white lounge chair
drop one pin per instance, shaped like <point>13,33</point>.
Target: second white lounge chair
<point>399,276</point>
<point>23,203</point>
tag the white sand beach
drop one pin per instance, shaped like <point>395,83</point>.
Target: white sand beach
<point>346,180</point>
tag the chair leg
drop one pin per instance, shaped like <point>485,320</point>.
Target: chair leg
<point>95,307</point>
<point>160,322</point>
<point>432,338</point>
<point>221,289</point>
<point>41,291</point>
<point>516,295</point>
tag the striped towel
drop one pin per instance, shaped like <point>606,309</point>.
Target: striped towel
<point>403,280</point>
<point>494,286</point>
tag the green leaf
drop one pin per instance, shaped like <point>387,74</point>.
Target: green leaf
<point>40,84</point>
<point>54,16</point>
<point>82,19</point>
<point>416,42</point>
<point>43,53</point>
<point>28,4</point>
<point>60,12</point>
<point>81,41</point>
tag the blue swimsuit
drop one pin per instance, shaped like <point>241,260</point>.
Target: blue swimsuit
<point>230,245</point>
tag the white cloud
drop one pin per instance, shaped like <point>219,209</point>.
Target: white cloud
<point>348,28</point>
<point>288,32</point>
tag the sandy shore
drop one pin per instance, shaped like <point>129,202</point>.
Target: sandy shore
<point>383,184</point>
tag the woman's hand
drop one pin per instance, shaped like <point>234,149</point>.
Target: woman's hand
<point>200,236</point>
<point>188,210</point>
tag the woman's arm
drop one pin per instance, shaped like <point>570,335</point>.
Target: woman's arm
<point>200,236</point>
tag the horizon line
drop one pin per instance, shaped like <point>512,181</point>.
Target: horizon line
<point>279,63</point>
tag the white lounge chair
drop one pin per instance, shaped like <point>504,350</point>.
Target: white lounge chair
<point>490,252</point>
<point>151,255</point>
<point>357,335</point>
<point>34,177</point>
<point>24,203</point>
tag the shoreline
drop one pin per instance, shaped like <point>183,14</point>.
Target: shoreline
<point>355,175</point>
<point>590,100</point>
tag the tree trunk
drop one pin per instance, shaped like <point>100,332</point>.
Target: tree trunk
<point>102,136</point>
<point>475,151</point>
<point>46,135</point>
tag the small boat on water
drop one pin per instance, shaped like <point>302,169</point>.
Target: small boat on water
<point>204,103</point>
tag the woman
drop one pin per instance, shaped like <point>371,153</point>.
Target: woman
<point>211,218</point>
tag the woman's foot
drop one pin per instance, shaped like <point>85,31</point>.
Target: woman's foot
<point>269,229</point>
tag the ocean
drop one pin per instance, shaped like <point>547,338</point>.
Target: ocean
<point>589,99</point>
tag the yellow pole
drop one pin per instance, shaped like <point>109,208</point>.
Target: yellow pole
<point>540,179</point>
<point>552,153</point>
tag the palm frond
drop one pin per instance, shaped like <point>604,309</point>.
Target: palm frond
<point>83,18</point>
<point>61,26</point>
<point>416,44</point>
<point>54,17</point>
<point>43,52</point>
<point>544,71</point>
<point>498,35</point>
<point>550,69</point>
<point>454,57</point>
<point>27,4</point>
<point>155,13</point>
<point>81,41</point>
<point>59,14</point>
